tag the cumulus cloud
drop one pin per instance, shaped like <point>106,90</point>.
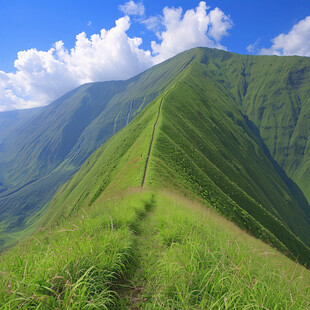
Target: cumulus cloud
<point>295,42</point>
<point>132,8</point>
<point>197,27</point>
<point>42,76</point>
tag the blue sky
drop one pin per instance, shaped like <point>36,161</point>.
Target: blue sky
<point>41,75</point>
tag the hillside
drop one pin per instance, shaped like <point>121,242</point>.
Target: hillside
<point>41,148</point>
<point>273,93</point>
<point>201,144</point>
<point>149,250</point>
<point>147,197</point>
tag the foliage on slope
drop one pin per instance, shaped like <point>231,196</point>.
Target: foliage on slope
<point>191,258</point>
<point>274,93</point>
<point>41,148</point>
<point>149,250</point>
<point>202,261</point>
<point>117,165</point>
<point>74,265</point>
<point>204,145</point>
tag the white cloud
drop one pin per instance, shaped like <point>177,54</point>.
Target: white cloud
<point>132,8</point>
<point>153,23</point>
<point>42,76</point>
<point>251,48</point>
<point>295,42</point>
<point>196,28</point>
<point>219,23</point>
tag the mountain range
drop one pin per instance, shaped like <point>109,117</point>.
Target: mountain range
<point>227,131</point>
<point>244,120</point>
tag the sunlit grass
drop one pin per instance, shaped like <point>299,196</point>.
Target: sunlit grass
<point>75,264</point>
<point>153,250</point>
<point>202,261</point>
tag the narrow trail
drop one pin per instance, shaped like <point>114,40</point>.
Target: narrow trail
<point>153,135</point>
<point>133,293</point>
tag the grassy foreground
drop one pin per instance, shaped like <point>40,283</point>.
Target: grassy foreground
<point>149,250</point>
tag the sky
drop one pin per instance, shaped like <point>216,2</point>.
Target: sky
<point>49,47</point>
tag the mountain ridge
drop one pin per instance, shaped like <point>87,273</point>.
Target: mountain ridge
<point>238,190</point>
<point>157,193</point>
<point>222,73</point>
<point>42,149</point>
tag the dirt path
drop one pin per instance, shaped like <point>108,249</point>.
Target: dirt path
<point>133,293</point>
<point>153,134</point>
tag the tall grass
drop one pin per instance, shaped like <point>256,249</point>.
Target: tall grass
<point>74,265</point>
<point>197,260</point>
<point>149,250</point>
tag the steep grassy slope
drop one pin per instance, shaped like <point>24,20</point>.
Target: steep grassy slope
<point>41,148</point>
<point>274,93</point>
<point>203,144</point>
<point>194,139</point>
<point>218,131</point>
<point>97,247</point>
<point>149,250</point>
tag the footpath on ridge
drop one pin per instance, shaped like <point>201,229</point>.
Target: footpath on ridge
<point>132,290</point>
<point>153,135</point>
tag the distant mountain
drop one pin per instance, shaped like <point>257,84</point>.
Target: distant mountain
<point>196,138</point>
<point>229,128</point>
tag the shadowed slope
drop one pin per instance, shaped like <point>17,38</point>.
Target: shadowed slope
<point>274,93</point>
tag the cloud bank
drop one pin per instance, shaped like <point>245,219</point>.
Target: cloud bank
<point>295,42</point>
<point>42,76</point>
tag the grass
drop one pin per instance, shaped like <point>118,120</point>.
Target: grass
<point>154,249</point>
<point>196,148</point>
<point>73,265</point>
<point>200,149</point>
<point>149,250</point>
<point>196,260</point>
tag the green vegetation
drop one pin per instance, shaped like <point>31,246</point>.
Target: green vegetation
<point>198,147</point>
<point>267,95</point>
<point>136,227</point>
<point>201,145</point>
<point>75,264</point>
<point>150,250</point>
<point>190,258</point>
<point>40,149</point>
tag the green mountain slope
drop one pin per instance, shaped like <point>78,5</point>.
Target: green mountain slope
<point>195,139</point>
<point>120,233</point>
<point>225,131</point>
<point>149,250</point>
<point>274,93</point>
<point>41,148</point>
